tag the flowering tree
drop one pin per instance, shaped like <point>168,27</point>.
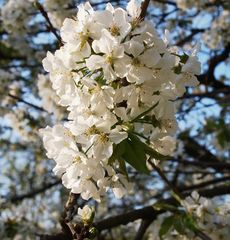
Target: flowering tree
<point>115,119</point>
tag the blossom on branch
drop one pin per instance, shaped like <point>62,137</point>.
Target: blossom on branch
<point>117,79</point>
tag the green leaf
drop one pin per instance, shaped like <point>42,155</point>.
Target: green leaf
<point>122,167</point>
<point>179,224</point>
<point>165,226</point>
<point>190,223</point>
<point>135,154</point>
<point>118,151</point>
<point>150,151</point>
<point>150,120</point>
<point>185,221</point>
<point>133,151</point>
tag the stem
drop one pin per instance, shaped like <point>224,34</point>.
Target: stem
<point>161,174</point>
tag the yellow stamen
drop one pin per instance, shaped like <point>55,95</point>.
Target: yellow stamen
<point>109,59</point>
<point>114,30</point>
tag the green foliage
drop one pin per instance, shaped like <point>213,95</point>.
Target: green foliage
<point>133,151</point>
<point>181,222</point>
<point>135,154</point>
<point>166,225</point>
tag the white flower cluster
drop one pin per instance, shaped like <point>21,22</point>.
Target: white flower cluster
<point>15,15</point>
<point>219,33</point>
<point>210,217</point>
<point>49,97</point>
<point>115,76</point>
<point>213,218</point>
<point>58,10</point>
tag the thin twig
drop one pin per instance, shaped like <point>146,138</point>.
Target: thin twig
<point>50,25</point>
<point>144,6</point>
<point>27,103</point>
<point>34,192</point>
<point>161,174</point>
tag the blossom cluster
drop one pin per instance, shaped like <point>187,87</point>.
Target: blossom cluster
<point>118,80</point>
<point>213,218</point>
<point>219,33</point>
<point>210,216</point>
<point>15,15</point>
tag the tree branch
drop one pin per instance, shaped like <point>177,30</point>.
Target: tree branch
<point>50,25</point>
<point>142,229</point>
<point>34,192</point>
<point>188,38</point>
<point>215,165</point>
<point>204,184</point>
<point>150,213</point>
<point>208,78</point>
<point>27,103</point>
<point>144,7</point>
<point>161,174</point>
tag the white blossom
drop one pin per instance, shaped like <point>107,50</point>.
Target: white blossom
<point>86,213</point>
<point>15,15</point>
<point>111,71</point>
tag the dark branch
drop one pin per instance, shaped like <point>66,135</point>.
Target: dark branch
<point>34,192</point>
<point>27,103</point>
<point>163,177</point>
<point>208,78</point>
<point>144,7</point>
<point>150,213</point>
<point>204,184</point>
<point>142,229</point>
<point>50,25</point>
<point>188,38</point>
